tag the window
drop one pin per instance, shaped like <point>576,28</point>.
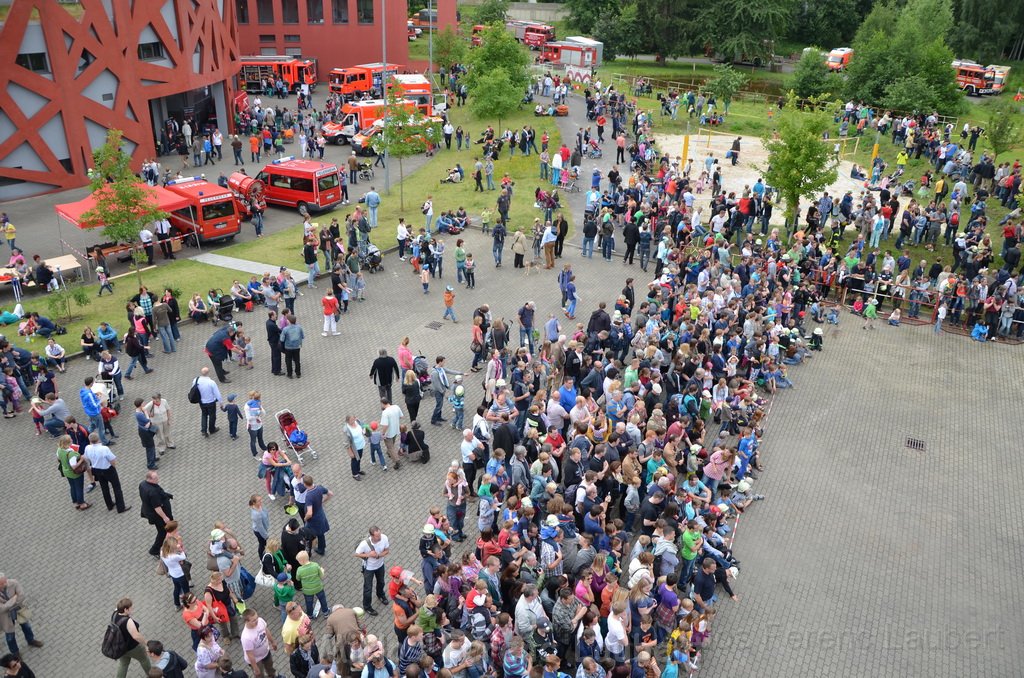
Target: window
<point>264,37</point>
<point>33,61</point>
<point>303,184</point>
<point>291,38</point>
<point>218,210</point>
<point>149,51</point>
<point>339,11</point>
<point>328,182</point>
<point>364,10</point>
<point>265,11</point>
<point>315,11</point>
<point>242,11</point>
<point>280,181</point>
<point>290,11</point>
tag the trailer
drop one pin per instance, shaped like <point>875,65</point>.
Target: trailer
<point>566,53</point>
<point>597,45</point>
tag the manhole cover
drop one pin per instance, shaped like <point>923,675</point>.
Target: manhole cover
<point>435,325</point>
<point>916,444</point>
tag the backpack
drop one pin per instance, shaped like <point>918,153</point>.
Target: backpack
<point>193,393</point>
<point>113,645</point>
<point>298,437</point>
<point>247,582</point>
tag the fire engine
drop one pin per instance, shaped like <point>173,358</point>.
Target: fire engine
<point>306,184</point>
<point>566,53</point>
<point>361,79</point>
<point>211,213</point>
<point>531,33</point>
<point>293,71</point>
<point>973,78</point>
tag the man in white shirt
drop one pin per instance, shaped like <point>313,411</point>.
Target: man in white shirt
<point>372,552</point>
<point>146,238</point>
<point>391,421</point>
<point>615,639</point>
<point>258,645</point>
<point>163,234</point>
<point>209,396</point>
<point>104,470</point>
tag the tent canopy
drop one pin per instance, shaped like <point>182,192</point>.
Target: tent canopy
<point>160,197</point>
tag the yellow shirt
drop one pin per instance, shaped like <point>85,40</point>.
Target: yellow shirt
<point>293,628</point>
<point>10,231</point>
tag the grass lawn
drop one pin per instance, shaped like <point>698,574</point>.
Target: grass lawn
<point>285,247</point>
<point>689,74</point>
<point>187,277</point>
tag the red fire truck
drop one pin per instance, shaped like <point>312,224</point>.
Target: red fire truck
<point>358,80</point>
<point>211,213</point>
<point>255,70</point>
<point>531,33</point>
<point>568,54</point>
<point>308,184</point>
<point>974,79</point>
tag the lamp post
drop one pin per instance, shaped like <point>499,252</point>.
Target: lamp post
<point>430,38</point>
<point>384,83</point>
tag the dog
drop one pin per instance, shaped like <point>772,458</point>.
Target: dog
<point>535,264</point>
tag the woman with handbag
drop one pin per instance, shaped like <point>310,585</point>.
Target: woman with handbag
<point>221,601</point>
<point>171,558</point>
<point>197,616</point>
<point>73,466</point>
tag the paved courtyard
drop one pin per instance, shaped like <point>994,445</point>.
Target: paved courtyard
<point>867,558</point>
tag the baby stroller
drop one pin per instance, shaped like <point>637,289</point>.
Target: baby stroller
<point>594,149</point>
<point>422,371</point>
<point>225,308</point>
<point>294,437</point>
<point>365,171</point>
<point>372,260</point>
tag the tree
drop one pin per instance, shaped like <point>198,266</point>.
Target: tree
<point>725,83</point>
<point>800,164</point>
<point>988,30</point>
<point>829,22</point>
<point>123,205</point>
<point>449,47</point>
<point>896,45</point>
<point>406,132</point>
<point>744,30</point>
<point>621,34</point>
<point>500,49</point>
<point>584,15</point>
<point>812,78</point>
<point>60,301</point>
<point>494,96</point>
<point>1003,131</point>
<point>665,26</point>
<point>491,11</point>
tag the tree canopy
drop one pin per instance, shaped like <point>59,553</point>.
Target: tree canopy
<point>494,96</point>
<point>491,11</point>
<point>123,205</point>
<point>449,47</point>
<point>499,51</point>
<point>406,132</point>
<point>800,164</point>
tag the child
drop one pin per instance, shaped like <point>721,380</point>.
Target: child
<point>833,316</point>
<point>470,272</point>
<point>485,220</point>
<point>870,314</point>
<point>894,317</point>
<point>458,401</point>
<point>234,413</point>
<point>12,393</point>
<point>105,284</point>
<point>940,317</point>
<point>449,303</point>
<point>37,416</point>
<point>701,181</point>
<point>360,286</point>
<point>375,450</point>
<point>245,347</point>
<point>425,278</point>
<point>225,669</point>
<point>346,295</point>
<point>330,308</point>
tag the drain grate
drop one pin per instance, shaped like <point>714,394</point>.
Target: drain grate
<point>916,444</point>
<point>434,325</point>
